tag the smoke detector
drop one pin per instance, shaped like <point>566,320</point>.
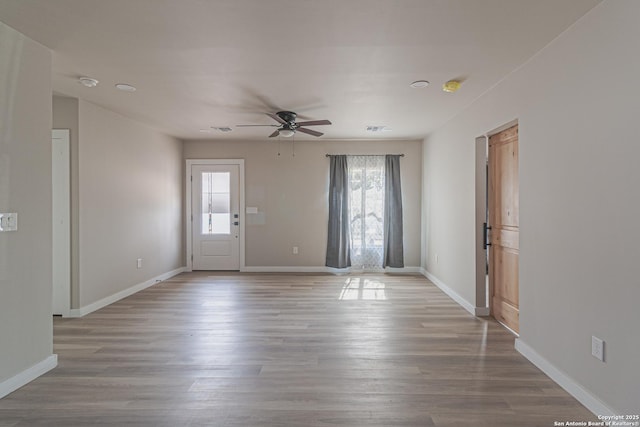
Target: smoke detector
<point>451,86</point>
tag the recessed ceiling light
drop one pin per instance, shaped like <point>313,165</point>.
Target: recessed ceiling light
<point>88,81</point>
<point>125,87</point>
<point>419,84</point>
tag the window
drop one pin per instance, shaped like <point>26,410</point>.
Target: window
<point>216,203</point>
<point>366,210</point>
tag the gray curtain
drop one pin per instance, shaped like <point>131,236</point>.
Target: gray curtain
<point>393,248</point>
<point>338,255</point>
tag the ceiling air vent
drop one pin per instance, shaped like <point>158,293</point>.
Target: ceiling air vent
<point>223,129</point>
<point>378,129</point>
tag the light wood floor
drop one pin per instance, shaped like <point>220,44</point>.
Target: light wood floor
<point>249,350</point>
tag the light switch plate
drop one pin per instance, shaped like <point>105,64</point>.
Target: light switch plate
<point>597,348</point>
<point>8,221</point>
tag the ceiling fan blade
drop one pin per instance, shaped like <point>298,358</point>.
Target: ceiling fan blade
<point>276,133</point>
<point>276,118</point>
<point>309,132</point>
<point>314,123</point>
<point>245,126</point>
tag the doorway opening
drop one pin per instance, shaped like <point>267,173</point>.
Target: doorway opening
<point>497,223</point>
<point>215,214</point>
<point>61,221</point>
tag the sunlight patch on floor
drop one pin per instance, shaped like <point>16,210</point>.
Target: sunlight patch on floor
<point>363,289</point>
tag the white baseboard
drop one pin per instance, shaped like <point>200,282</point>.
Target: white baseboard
<point>576,390</point>
<point>322,269</point>
<point>403,270</point>
<point>28,375</point>
<point>83,311</point>
<point>583,396</point>
<point>476,311</point>
<point>482,311</point>
<point>283,269</point>
<point>447,290</point>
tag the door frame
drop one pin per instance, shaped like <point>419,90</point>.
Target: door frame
<point>483,291</point>
<point>61,237</point>
<point>189,211</point>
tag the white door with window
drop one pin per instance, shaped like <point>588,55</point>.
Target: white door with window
<point>215,214</point>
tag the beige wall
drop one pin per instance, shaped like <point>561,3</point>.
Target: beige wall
<point>577,106</point>
<point>25,188</point>
<point>291,195</point>
<point>130,203</point>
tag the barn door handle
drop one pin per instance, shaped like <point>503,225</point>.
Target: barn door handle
<point>485,235</point>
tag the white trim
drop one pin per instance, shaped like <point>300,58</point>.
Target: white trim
<point>83,311</point>
<point>321,269</point>
<point>481,254</point>
<point>482,311</point>
<point>189,236</point>
<point>15,382</point>
<point>516,334</point>
<point>447,290</point>
<point>61,218</point>
<point>583,396</point>
<point>476,311</point>
<point>499,129</point>
<point>273,269</point>
<point>403,270</point>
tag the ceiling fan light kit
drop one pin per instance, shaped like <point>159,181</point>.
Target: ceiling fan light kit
<point>286,133</point>
<point>288,126</point>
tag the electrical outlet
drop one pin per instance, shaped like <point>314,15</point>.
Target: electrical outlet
<point>597,348</point>
<point>139,262</point>
<point>295,250</point>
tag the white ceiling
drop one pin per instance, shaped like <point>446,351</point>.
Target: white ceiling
<point>203,63</point>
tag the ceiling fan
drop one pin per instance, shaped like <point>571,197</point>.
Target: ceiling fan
<point>287,125</point>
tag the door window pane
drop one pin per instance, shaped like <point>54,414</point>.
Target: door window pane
<point>216,202</point>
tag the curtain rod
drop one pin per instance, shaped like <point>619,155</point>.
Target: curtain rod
<point>361,155</point>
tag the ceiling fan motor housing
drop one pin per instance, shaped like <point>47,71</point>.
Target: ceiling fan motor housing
<point>288,127</point>
<point>287,116</point>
